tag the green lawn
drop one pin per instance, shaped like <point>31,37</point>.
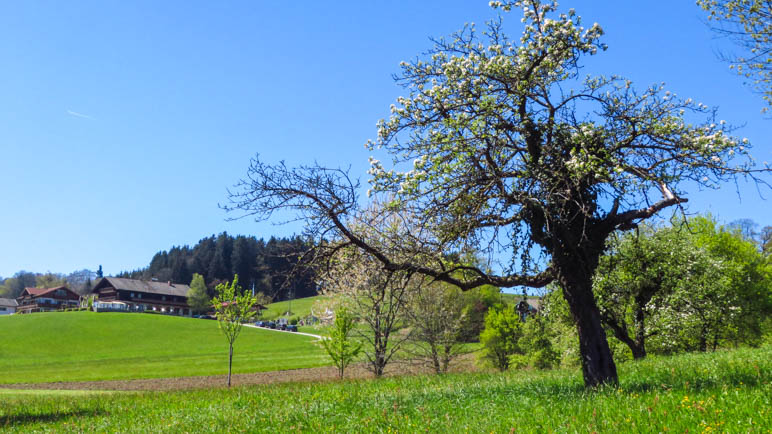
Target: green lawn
<point>301,307</point>
<point>82,346</point>
<point>728,391</point>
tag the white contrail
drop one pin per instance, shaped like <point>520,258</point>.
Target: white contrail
<point>78,115</point>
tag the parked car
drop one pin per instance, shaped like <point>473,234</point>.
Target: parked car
<point>271,325</point>
<point>260,323</point>
<point>207,317</point>
<point>281,326</point>
<point>292,328</point>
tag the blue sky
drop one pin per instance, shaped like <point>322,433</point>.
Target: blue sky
<point>122,124</point>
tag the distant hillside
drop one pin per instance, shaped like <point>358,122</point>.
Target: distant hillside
<point>274,267</point>
<point>300,307</point>
<point>82,346</point>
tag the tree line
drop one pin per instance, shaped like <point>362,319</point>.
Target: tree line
<point>79,281</point>
<point>275,267</point>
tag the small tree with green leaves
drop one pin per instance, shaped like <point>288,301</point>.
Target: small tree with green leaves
<point>436,320</point>
<point>340,347</point>
<point>232,307</point>
<point>499,339</point>
<point>198,299</point>
<point>539,352</point>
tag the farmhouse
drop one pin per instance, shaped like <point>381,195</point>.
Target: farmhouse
<point>527,307</point>
<point>46,299</point>
<point>115,293</point>
<point>7,306</point>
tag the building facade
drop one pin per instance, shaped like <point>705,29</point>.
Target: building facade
<point>138,296</point>
<point>7,306</point>
<point>46,300</point>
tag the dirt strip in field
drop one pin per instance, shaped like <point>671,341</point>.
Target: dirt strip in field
<point>327,373</point>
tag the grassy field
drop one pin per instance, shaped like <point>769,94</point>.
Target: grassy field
<point>728,391</point>
<point>84,346</point>
<point>301,307</point>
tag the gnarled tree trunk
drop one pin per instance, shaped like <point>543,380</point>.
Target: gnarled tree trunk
<point>576,263</point>
<point>597,363</point>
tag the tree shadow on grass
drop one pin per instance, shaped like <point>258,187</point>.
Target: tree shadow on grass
<point>31,418</point>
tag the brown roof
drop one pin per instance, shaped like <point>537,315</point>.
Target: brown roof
<point>8,302</point>
<point>37,292</point>
<point>162,288</point>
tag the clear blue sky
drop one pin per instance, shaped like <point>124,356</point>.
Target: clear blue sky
<point>123,123</point>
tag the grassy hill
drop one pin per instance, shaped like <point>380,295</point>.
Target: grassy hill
<point>301,307</point>
<point>727,391</point>
<point>82,346</point>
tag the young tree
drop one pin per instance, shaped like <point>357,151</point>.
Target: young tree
<point>340,346</point>
<point>501,336</point>
<point>232,307</point>
<point>749,24</point>
<point>377,298</point>
<point>198,298</point>
<point>435,316</point>
<point>506,157</point>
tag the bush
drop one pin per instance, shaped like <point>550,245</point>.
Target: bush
<point>294,320</point>
<point>518,361</point>
<point>537,345</point>
<point>500,337</point>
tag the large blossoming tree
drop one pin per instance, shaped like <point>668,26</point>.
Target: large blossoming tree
<point>499,145</point>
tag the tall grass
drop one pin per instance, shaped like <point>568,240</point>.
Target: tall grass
<point>726,391</point>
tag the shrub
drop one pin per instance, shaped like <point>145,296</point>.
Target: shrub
<point>500,337</point>
<point>537,345</point>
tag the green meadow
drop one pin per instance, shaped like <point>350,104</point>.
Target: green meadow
<point>727,391</point>
<point>301,307</point>
<point>85,346</point>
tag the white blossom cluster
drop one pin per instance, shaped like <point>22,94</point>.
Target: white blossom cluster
<point>464,114</point>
